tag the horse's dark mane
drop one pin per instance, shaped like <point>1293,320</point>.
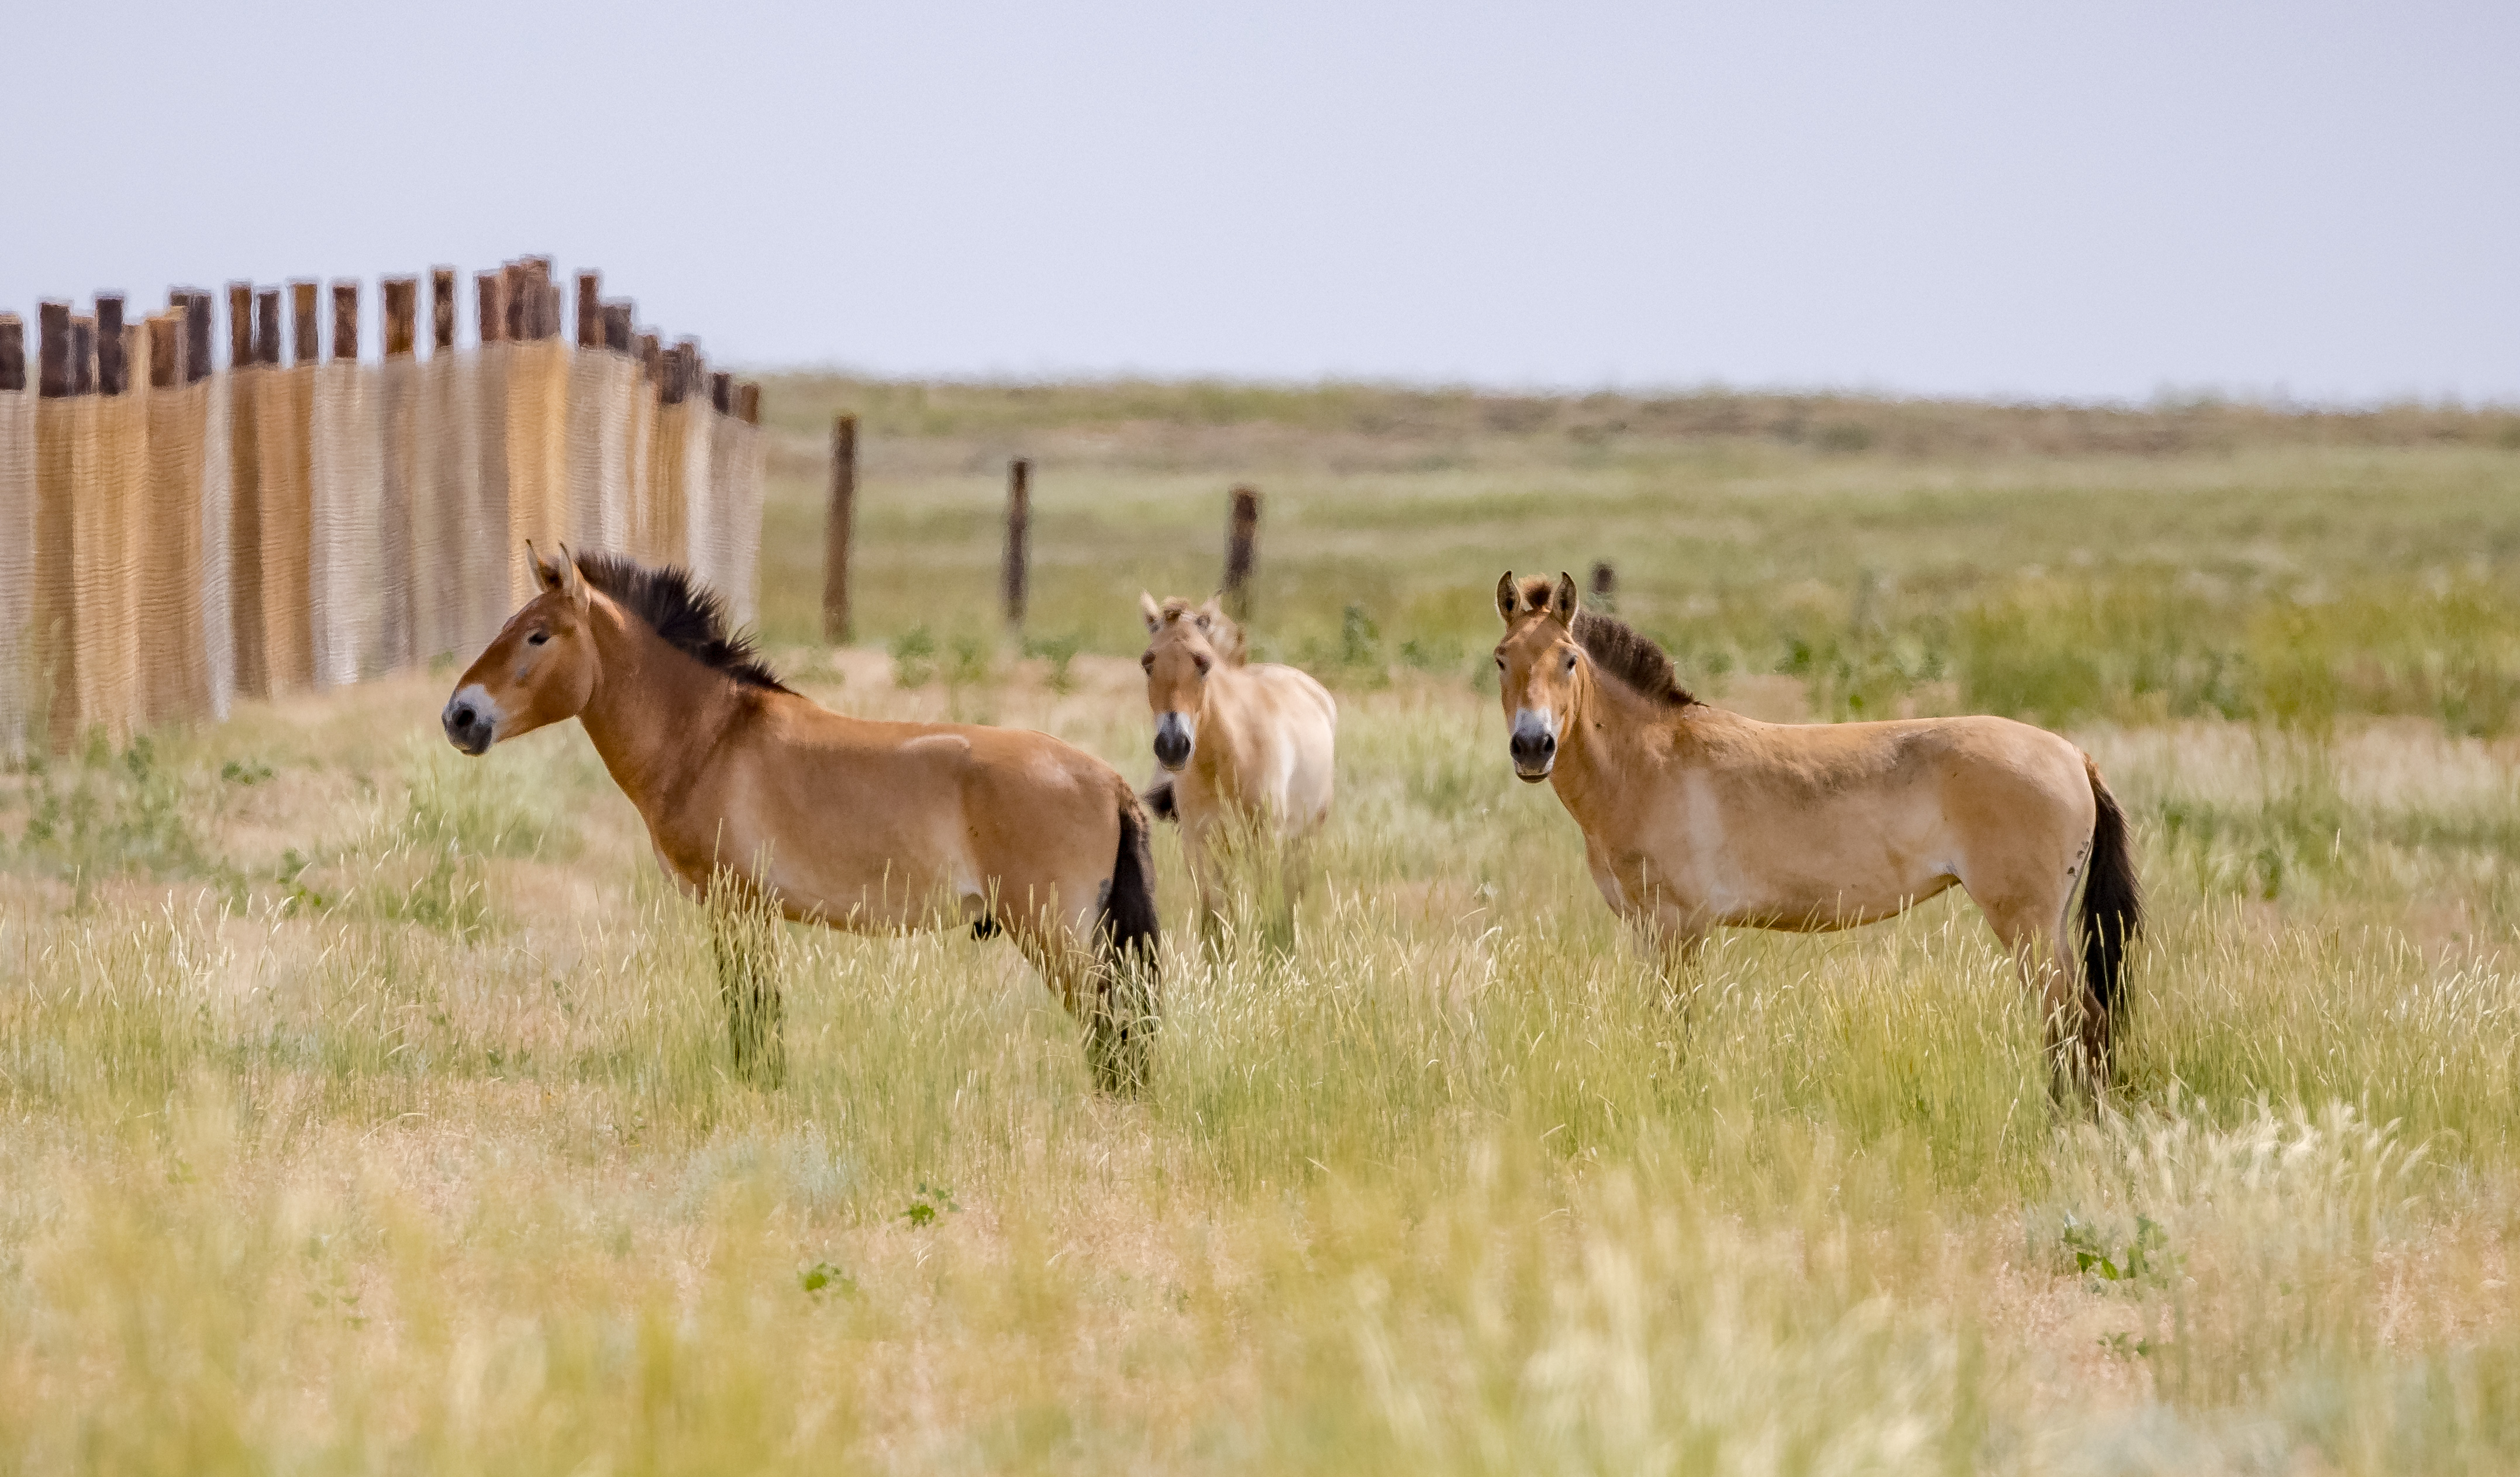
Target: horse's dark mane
<point>690,617</point>
<point>1620,650</point>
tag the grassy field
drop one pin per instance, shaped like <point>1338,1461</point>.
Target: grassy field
<point>363,1108</point>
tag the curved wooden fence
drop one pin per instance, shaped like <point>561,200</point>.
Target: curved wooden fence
<point>175,533</point>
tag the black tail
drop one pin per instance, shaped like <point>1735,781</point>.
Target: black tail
<point>1158,800</point>
<point>2113,903</point>
<point>1127,938</point>
<point>1130,928</point>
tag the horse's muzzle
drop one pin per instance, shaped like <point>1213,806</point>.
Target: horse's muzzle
<point>1172,742</point>
<point>1534,749</point>
<point>471,726</point>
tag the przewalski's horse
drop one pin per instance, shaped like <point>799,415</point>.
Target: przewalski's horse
<point>866,827</point>
<point>1695,818</point>
<point>1248,749</point>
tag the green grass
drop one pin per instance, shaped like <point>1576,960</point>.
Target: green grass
<point>364,1107</point>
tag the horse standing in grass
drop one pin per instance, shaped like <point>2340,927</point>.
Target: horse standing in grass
<point>1246,751</point>
<point>747,786</point>
<point>1695,818</point>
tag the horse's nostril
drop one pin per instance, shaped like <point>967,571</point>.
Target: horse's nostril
<point>464,718</point>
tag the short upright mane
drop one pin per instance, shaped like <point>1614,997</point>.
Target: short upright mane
<point>687,615</point>
<point>1620,650</point>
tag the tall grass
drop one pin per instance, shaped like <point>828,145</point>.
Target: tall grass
<point>364,1107</point>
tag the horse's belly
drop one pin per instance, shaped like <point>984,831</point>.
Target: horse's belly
<point>1839,867</point>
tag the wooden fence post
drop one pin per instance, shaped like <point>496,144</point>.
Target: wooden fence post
<point>747,401</point>
<point>12,352</point>
<point>441,309</point>
<point>166,350</point>
<point>840,523</point>
<point>590,310</point>
<point>240,324</point>
<point>197,333</point>
<point>305,346</point>
<point>1606,587</point>
<point>1016,579</point>
<point>1241,549</point>
<point>617,335</point>
<point>82,354</point>
<point>490,303</point>
<point>512,302</point>
<point>345,319</point>
<point>54,376</point>
<point>402,312</point>
<point>266,327</point>
<point>112,367</point>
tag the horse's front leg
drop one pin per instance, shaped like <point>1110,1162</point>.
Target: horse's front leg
<point>1206,876</point>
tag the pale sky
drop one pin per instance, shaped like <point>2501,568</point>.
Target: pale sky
<point>2107,201</point>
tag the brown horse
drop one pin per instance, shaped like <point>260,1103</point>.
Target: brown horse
<point>1248,749</point>
<point>866,827</point>
<point>1695,818</point>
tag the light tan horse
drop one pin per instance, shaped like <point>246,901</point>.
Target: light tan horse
<point>861,826</point>
<point>1247,748</point>
<point>1695,818</point>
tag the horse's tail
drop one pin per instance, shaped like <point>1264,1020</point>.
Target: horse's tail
<point>2113,903</point>
<point>1127,936</point>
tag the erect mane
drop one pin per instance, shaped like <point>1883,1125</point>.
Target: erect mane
<point>1223,635</point>
<point>1619,648</point>
<point>688,616</point>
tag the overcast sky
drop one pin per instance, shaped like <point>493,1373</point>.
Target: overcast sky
<point>2105,200</point>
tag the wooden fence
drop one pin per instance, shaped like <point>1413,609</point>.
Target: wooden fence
<point>175,533</point>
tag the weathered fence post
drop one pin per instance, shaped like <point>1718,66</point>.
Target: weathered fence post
<point>112,368</point>
<point>838,628</point>
<point>402,313</point>
<point>345,320</point>
<point>590,310</point>
<point>13,360</point>
<point>1241,549</point>
<point>1018,573</point>
<point>1606,586</point>
<point>306,332</point>
<point>441,309</point>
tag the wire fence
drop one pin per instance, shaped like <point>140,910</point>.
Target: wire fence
<point>177,533</point>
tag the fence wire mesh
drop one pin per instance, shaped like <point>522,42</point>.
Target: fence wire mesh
<point>267,529</point>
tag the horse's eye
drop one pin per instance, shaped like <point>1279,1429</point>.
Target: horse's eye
<point>1570,661</point>
<point>1500,663</point>
<point>1203,665</point>
<point>538,637</point>
<point>1147,661</point>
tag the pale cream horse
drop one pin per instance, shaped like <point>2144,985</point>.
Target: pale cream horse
<point>861,826</point>
<point>1248,751</point>
<point>1695,818</point>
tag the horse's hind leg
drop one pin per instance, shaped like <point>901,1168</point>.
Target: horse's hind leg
<point>2078,1029</point>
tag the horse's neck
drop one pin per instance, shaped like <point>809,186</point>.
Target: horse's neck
<point>1597,772</point>
<point>655,712</point>
<point>1226,715</point>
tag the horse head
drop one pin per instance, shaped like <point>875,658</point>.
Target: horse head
<point>1185,643</point>
<point>1536,668</point>
<point>539,670</point>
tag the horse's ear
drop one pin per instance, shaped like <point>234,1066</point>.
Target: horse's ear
<point>571,583</point>
<point>1562,605</point>
<point>546,573</point>
<point>1505,596</point>
<point>1154,612</point>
